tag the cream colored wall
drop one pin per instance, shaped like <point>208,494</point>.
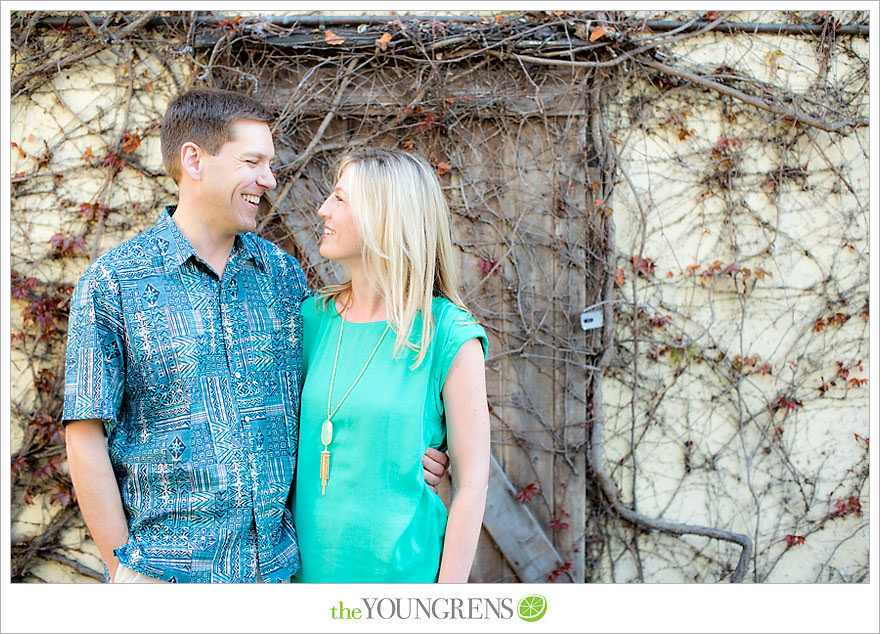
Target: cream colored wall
<point>91,93</point>
<point>802,237</point>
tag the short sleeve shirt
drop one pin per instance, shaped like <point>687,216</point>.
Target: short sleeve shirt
<point>197,380</point>
<point>377,521</point>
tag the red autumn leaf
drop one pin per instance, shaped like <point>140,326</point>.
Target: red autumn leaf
<point>794,540</point>
<point>230,24</point>
<point>382,42</point>
<point>19,465</point>
<point>658,321</point>
<point>60,496</point>
<point>45,381</point>
<point>735,269</point>
<point>332,38</point>
<point>784,402</point>
<point>94,210</point>
<point>489,266</point>
<point>848,506</point>
<point>599,31</point>
<point>563,567</point>
<point>711,15</point>
<point>558,525</point>
<point>619,278</point>
<point>527,493</point>
<point>116,162</point>
<point>429,121</point>
<point>21,286</point>
<point>49,429</point>
<point>64,245</point>
<point>643,266</point>
<point>130,142</point>
<point>443,167</point>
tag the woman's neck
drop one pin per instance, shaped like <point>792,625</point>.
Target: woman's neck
<point>362,303</point>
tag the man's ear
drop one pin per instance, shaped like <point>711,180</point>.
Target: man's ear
<point>191,160</point>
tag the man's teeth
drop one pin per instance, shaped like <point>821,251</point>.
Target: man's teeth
<point>254,200</point>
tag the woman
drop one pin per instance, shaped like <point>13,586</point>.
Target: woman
<point>393,364</point>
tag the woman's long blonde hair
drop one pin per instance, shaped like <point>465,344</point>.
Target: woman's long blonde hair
<point>402,216</point>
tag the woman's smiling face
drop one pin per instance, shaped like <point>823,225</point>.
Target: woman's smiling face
<point>341,240</point>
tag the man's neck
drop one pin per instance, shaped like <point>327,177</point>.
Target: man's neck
<point>213,247</point>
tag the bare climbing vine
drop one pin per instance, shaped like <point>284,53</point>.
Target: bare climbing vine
<point>698,178</point>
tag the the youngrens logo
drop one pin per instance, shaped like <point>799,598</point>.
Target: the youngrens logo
<point>530,608</point>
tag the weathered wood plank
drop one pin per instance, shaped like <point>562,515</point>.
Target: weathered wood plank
<point>516,531</point>
<point>570,464</point>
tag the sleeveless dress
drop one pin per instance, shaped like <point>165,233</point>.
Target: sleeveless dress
<point>378,520</point>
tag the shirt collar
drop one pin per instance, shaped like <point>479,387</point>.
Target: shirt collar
<point>175,249</point>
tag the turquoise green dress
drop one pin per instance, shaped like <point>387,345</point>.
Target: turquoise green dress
<point>378,520</point>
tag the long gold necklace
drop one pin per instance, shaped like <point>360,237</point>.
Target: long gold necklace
<point>327,427</point>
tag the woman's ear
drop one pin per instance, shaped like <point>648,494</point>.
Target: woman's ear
<point>191,161</point>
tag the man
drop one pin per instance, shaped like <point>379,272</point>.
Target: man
<point>184,368</point>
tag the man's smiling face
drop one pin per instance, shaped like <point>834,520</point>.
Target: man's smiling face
<point>234,179</point>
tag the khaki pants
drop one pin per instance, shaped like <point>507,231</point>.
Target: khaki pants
<point>127,575</point>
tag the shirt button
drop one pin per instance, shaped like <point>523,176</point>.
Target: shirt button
<point>247,419</point>
<point>238,375</point>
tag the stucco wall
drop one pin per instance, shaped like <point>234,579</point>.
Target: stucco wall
<point>714,443</point>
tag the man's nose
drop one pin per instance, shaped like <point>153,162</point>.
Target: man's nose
<point>267,179</point>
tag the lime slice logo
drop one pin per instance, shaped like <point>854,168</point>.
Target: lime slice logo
<point>532,607</point>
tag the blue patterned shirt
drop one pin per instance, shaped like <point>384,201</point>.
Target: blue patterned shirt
<point>197,380</point>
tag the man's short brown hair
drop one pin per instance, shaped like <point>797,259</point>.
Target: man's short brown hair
<point>204,116</point>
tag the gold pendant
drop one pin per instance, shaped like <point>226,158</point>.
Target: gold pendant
<point>326,439</point>
<point>325,469</point>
